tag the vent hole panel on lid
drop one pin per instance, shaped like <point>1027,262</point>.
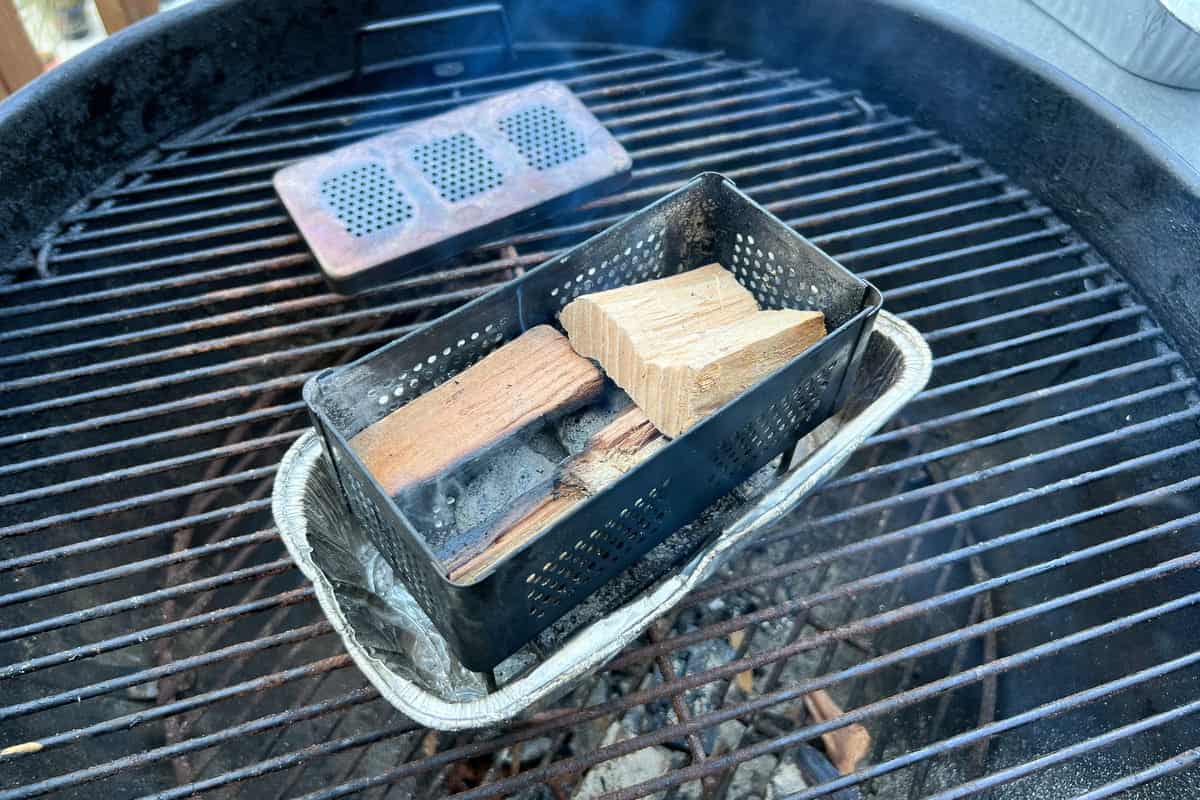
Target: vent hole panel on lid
<point>365,200</point>
<point>457,166</point>
<point>543,137</point>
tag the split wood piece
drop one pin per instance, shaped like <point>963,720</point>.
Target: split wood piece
<point>537,375</point>
<point>685,383</point>
<point>610,453</point>
<point>611,326</point>
<point>683,346</point>
<point>844,746</point>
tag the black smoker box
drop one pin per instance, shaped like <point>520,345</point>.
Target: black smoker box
<point>707,220</point>
<point>380,208</point>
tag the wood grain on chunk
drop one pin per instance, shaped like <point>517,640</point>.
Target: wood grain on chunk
<point>610,453</point>
<point>619,326</point>
<point>683,346</point>
<point>534,376</point>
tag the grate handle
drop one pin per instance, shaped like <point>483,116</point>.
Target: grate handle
<point>400,23</point>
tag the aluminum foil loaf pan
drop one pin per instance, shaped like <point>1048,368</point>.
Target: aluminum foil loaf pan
<point>399,650</point>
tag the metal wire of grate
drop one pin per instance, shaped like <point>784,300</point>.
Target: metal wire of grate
<point>992,587</point>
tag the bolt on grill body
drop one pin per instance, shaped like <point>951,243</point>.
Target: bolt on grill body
<point>1012,554</point>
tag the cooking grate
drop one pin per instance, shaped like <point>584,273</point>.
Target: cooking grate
<point>991,588</point>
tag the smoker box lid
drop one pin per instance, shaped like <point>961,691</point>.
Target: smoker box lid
<point>382,207</point>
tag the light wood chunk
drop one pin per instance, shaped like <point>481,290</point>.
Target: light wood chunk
<point>683,346</point>
<point>683,384</point>
<point>532,377</point>
<point>619,326</point>
<point>611,452</point>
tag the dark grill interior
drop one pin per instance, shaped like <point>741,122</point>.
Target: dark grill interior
<point>998,587</point>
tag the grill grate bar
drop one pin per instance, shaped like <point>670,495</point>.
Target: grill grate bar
<point>1087,271</point>
<point>792,85</point>
<point>105,211</point>
<point>164,222</point>
<point>125,570</point>
<point>1044,711</point>
<point>257,726</point>
<point>158,712</point>
<point>173,628</point>
<point>521,76</point>
<point>188,143</point>
<point>857,168</point>
<point>968,445</point>
<point>883,620</point>
<point>809,732</point>
<point>1111,375</point>
<point>1029,366</point>
<point>1185,760</point>
<point>714,140</point>
<point>274,441</point>
<point>938,334</point>
<point>138,501</point>
<point>656,98</point>
<point>810,157</point>
<point>915,534</point>
<point>252,268</point>
<point>296,758</point>
<point>133,535</point>
<point>224,423</point>
<point>1132,312</point>
<point>147,412</point>
<point>346,136</point>
<point>192,257</point>
<point>190,236</point>
<point>146,675</point>
<point>1004,776</point>
<point>1011,466</point>
<point>891,704</point>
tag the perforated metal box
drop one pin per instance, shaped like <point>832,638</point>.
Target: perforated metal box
<point>380,208</point>
<point>708,220</point>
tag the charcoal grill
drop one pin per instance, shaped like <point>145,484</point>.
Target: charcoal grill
<point>1000,586</point>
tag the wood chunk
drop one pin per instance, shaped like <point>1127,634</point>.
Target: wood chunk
<point>683,384</point>
<point>683,346</point>
<point>534,376</point>
<point>613,325</point>
<point>844,746</point>
<point>611,452</point>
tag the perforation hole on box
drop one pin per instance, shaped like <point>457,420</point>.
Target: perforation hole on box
<point>457,166</point>
<point>568,577</point>
<point>365,200</point>
<point>422,371</point>
<point>544,138</point>
<point>763,268</point>
<point>639,261</point>
<point>782,420</point>
<point>391,542</point>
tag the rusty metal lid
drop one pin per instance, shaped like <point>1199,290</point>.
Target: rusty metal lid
<point>378,209</point>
